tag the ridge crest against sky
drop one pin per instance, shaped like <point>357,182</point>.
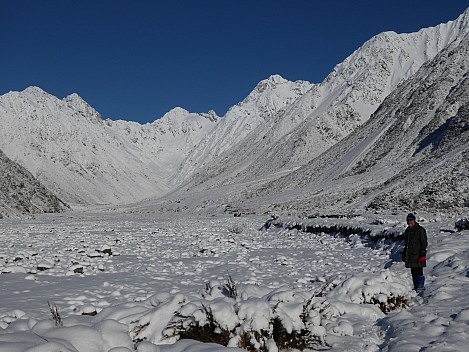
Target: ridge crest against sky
<point>138,60</point>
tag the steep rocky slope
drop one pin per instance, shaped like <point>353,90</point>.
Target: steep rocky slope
<point>269,98</point>
<point>21,194</point>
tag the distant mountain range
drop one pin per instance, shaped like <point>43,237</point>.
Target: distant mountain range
<point>388,128</point>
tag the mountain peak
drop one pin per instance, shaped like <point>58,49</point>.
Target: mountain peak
<point>74,100</point>
<point>277,79</point>
<point>175,113</point>
<point>77,103</point>
<point>33,90</point>
<point>270,83</point>
<point>276,85</point>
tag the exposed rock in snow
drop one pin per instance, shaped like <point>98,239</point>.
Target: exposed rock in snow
<point>75,102</point>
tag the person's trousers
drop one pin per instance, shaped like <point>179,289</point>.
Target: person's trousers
<point>418,280</point>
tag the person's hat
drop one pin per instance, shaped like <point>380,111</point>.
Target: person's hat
<point>410,216</point>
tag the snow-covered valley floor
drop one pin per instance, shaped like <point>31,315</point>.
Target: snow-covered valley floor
<point>123,282</point>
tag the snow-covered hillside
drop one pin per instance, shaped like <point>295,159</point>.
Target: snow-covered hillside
<point>331,110</point>
<point>83,159</point>
<point>270,97</point>
<point>413,153</point>
<point>21,194</point>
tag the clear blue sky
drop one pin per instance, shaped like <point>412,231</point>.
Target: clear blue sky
<point>136,60</point>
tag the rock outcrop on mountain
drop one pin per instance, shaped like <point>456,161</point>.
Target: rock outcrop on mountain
<point>21,194</point>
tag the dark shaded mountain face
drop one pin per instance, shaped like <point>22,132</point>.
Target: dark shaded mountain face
<point>442,137</point>
<point>21,194</point>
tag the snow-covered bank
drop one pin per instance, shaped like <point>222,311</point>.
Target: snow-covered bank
<point>134,282</point>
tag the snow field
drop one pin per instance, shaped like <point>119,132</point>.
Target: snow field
<point>145,277</point>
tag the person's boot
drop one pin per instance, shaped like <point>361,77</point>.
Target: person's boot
<point>420,285</point>
<point>415,281</point>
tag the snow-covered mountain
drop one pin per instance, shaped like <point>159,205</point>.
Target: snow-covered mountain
<point>270,97</point>
<point>85,160</point>
<point>331,110</point>
<point>281,131</point>
<point>413,153</point>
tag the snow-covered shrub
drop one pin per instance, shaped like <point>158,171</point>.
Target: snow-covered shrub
<point>231,287</point>
<point>254,324</point>
<point>258,318</point>
<point>277,319</point>
<point>390,303</point>
<point>381,289</point>
<point>208,331</point>
<point>236,230</point>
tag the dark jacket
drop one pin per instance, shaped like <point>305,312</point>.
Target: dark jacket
<point>415,246</point>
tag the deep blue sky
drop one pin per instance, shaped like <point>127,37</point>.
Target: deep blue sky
<point>136,60</point>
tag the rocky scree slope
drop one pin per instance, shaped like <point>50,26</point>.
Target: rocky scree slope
<point>21,194</point>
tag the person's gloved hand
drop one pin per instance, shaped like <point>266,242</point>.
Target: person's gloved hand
<point>422,259</point>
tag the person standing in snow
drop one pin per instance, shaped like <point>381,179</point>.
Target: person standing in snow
<point>415,252</point>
